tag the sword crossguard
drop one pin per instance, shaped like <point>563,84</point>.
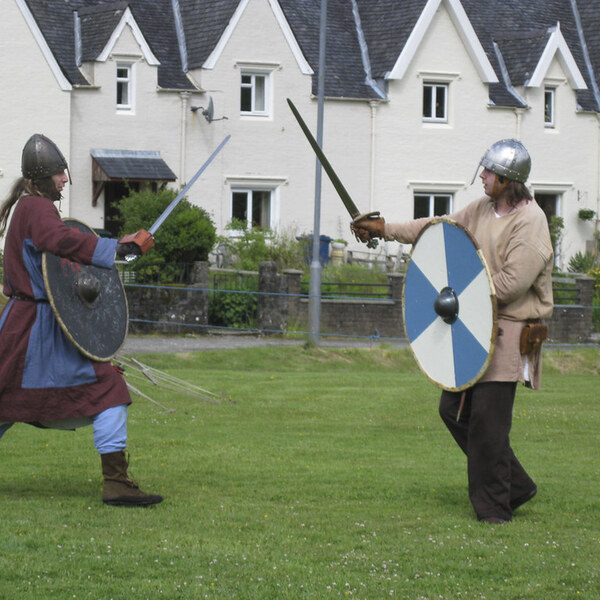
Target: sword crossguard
<point>141,238</point>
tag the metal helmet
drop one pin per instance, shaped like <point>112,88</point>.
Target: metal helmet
<point>42,158</point>
<point>508,158</point>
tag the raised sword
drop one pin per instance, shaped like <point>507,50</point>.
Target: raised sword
<point>335,180</point>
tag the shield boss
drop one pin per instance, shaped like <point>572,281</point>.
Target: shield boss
<point>449,306</point>
<point>89,302</point>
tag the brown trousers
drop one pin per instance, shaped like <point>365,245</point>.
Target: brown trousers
<point>496,477</point>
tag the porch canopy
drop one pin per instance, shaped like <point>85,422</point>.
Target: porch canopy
<point>129,165</point>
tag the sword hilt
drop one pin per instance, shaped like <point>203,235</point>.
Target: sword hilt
<point>373,242</point>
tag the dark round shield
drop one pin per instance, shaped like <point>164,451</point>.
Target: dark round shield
<point>89,302</point>
<point>449,306</point>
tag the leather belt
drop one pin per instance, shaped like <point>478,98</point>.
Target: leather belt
<point>28,298</point>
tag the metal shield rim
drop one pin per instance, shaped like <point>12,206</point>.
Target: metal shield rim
<point>493,300</point>
<point>60,320</point>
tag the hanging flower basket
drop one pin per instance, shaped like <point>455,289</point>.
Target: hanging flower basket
<point>586,214</point>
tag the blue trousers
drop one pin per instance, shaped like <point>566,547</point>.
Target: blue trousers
<point>110,428</point>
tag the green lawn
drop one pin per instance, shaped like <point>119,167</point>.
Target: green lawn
<point>323,473</point>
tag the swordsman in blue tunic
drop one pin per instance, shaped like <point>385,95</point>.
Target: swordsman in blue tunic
<point>44,379</point>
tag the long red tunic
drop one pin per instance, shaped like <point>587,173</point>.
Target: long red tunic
<point>43,377</point>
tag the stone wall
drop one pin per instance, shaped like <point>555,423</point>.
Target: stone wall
<point>573,323</point>
<point>184,309</point>
<point>169,310</point>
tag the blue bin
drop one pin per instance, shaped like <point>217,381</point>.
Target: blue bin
<point>324,241</point>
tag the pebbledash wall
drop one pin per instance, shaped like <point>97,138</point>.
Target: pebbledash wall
<point>184,309</point>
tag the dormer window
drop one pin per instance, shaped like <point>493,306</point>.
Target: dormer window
<point>125,88</point>
<point>253,93</point>
<point>435,102</point>
<point>549,112</point>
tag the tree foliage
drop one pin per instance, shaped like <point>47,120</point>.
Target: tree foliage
<point>187,235</point>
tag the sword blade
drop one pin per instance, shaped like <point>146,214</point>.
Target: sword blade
<point>335,180</point>
<point>184,191</point>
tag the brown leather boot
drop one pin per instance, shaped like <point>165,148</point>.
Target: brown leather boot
<point>119,489</point>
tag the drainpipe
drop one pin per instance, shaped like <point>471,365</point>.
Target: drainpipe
<point>519,116</point>
<point>374,105</point>
<point>185,96</point>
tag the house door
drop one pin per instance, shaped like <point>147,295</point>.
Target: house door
<point>114,191</point>
<point>550,204</point>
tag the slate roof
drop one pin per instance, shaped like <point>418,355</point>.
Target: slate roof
<point>518,30</point>
<point>344,70</point>
<point>97,25</point>
<point>133,165</point>
<point>204,23</point>
<point>98,19</point>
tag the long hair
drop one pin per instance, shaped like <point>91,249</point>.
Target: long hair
<point>39,187</point>
<point>512,191</point>
<point>516,191</point>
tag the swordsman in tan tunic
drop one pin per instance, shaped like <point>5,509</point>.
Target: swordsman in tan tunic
<point>512,232</point>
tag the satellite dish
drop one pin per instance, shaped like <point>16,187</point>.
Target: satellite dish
<point>209,112</point>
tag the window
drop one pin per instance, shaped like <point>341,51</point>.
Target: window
<point>549,98</point>
<point>550,203</point>
<point>254,93</point>
<point>432,205</point>
<point>125,89</point>
<point>435,102</point>
<point>252,207</point>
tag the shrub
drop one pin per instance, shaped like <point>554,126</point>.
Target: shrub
<point>350,274</point>
<point>556,225</point>
<point>595,273</point>
<point>187,235</point>
<point>231,304</point>
<point>581,263</point>
<point>257,245</point>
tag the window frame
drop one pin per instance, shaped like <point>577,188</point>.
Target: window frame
<point>431,197</point>
<point>129,81</point>
<point>434,86</point>
<point>273,185</point>
<point>550,119</point>
<point>266,76</point>
<point>250,199</point>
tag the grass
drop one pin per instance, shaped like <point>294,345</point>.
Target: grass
<point>323,473</point>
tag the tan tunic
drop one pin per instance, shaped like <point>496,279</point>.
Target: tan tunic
<point>518,251</point>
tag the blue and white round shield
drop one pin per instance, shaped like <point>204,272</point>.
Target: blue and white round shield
<point>449,306</point>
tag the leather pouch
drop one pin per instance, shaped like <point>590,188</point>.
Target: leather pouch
<point>532,336</point>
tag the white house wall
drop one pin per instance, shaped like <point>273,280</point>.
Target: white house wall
<point>275,147</point>
<point>31,99</point>
<point>552,150</point>
<point>415,156</point>
<point>154,124</point>
<point>261,148</point>
<point>382,150</point>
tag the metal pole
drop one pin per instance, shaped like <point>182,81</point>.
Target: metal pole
<point>314,289</point>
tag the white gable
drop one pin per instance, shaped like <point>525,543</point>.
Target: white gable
<point>557,46</point>
<point>303,65</point>
<point>41,41</point>
<point>465,30</point>
<point>128,20</point>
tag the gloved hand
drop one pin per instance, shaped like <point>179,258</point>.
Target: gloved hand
<point>368,227</point>
<point>135,244</point>
<point>128,249</point>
